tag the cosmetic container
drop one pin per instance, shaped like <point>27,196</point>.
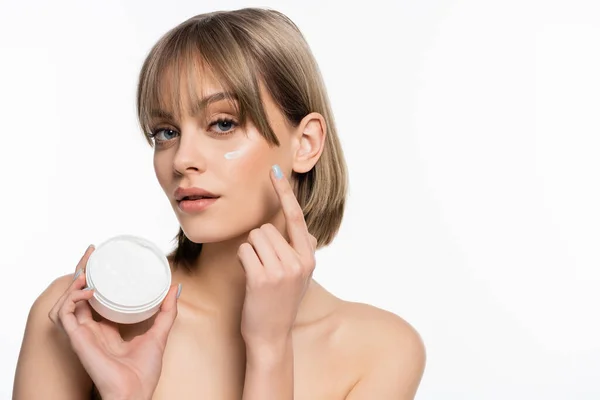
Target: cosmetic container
<point>130,277</point>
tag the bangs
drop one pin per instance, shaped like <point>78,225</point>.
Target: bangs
<point>171,82</point>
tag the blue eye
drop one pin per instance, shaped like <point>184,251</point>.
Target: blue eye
<point>220,127</point>
<point>224,125</point>
<point>163,134</point>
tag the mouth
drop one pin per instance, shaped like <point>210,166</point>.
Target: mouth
<point>193,199</point>
<point>192,193</point>
<point>195,204</point>
<point>196,197</point>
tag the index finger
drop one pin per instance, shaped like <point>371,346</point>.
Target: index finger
<point>83,261</point>
<point>294,216</point>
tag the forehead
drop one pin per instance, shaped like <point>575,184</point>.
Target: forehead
<point>189,89</point>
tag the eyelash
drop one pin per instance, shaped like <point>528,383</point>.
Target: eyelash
<point>233,123</point>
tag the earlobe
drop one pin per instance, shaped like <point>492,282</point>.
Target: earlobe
<point>310,142</point>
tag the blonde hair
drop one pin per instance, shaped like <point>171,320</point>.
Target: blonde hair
<point>243,48</point>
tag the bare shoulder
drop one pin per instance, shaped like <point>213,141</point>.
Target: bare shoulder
<point>380,326</point>
<point>46,357</point>
<point>383,332</point>
<point>40,309</point>
<point>389,350</point>
<point>38,315</point>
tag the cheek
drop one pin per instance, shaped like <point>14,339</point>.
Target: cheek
<point>248,177</point>
<point>161,169</point>
<point>247,167</point>
<point>244,158</point>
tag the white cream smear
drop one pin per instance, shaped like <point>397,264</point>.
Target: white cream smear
<point>129,273</point>
<point>233,154</point>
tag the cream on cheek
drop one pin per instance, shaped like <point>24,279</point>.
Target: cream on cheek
<point>232,155</point>
<point>245,161</point>
<point>246,150</point>
<point>247,169</point>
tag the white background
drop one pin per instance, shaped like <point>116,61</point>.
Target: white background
<point>471,132</point>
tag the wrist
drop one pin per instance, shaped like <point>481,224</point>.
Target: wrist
<point>124,396</point>
<point>132,397</point>
<point>269,353</point>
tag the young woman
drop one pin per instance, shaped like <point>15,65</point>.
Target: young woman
<point>246,150</point>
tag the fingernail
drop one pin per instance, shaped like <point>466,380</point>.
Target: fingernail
<point>277,171</point>
<point>79,271</point>
<point>88,288</point>
<point>179,287</point>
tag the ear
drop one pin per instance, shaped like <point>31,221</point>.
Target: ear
<point>310,140</point>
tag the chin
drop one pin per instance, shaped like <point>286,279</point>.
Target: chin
<point>222,222</point>
<point>207,235</point>
<point>212,229</point>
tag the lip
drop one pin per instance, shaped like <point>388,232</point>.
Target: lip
<point>181,193</point>
<point>194,206</point>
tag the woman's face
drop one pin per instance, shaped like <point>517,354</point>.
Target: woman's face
<point>211,152</point>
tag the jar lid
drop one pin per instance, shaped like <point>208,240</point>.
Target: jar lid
<point>128,274</point>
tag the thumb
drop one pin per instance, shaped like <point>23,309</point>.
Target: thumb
<point>166,316</point>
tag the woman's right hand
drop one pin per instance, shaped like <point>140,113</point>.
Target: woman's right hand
<point>119,369</point>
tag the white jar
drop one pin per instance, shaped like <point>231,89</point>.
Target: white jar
<point>130,276</point>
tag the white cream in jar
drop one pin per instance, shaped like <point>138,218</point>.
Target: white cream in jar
<point>130,277</point>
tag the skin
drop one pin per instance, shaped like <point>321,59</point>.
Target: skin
<point>250,321</point>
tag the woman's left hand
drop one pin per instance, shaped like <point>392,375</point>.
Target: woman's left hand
<point>277,272</point>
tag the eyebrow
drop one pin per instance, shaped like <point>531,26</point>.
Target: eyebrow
<point>199,106</point>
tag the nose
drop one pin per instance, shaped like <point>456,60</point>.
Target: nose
<point>189,156</point>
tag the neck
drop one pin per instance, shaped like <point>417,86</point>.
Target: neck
<point>217,283</point>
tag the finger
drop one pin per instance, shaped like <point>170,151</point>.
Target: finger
<point>250,262</point>
<point>291,260</point>
<point>83,261</point>
<point>294,216</point>
<point>166,317</point>
<point>83,310</point>
<point>77,281</point>
<point>77,284</point>
<point>284,252</point>
<point>66,313</point>
<point>264,248</point>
